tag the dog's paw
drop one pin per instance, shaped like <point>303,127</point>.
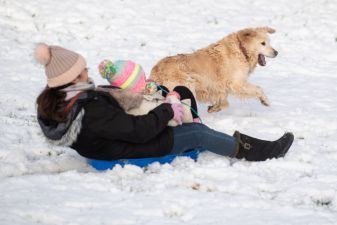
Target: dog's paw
<point>264,101</point>
<point>213,108</point>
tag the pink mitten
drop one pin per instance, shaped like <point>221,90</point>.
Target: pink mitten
<point>173,94</point>
<point>172,97</point>
<point>178,111</point>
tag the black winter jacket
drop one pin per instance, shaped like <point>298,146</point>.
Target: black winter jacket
<point>98,128</point>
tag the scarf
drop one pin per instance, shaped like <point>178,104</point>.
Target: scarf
<point>74,89</point>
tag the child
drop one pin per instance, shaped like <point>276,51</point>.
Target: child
<point>127,75</point>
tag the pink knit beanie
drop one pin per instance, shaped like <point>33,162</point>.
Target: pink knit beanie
<point>124,74</point>
<point>61,65</point>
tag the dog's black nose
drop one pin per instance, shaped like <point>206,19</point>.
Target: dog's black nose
<point>275,53</point>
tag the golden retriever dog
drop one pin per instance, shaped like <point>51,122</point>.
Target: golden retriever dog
<point>222,68</point>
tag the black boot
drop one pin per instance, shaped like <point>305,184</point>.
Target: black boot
<point>253,149</point>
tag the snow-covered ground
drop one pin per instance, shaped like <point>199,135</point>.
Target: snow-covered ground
<point>42,184</point>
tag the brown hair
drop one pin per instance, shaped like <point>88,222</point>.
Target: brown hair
<point>50,102</point>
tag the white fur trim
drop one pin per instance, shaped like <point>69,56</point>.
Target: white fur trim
<point>71,135</point>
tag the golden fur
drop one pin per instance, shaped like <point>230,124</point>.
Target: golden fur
<point>222,68</point>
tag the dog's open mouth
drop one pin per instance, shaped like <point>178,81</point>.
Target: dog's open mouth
<point>261,60</point>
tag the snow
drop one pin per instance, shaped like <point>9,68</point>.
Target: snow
<point>44,184</point>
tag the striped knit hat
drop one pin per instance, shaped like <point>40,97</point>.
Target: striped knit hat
<point>61,65</point>
<point>124,74</point>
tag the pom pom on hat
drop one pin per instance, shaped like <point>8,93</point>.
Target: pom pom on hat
<point>107,69</point>
<point>42,53</point>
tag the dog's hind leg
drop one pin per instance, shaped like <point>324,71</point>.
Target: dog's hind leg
<point>222,104</point>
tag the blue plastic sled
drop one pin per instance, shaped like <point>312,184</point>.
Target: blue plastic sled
<point>142,162</point>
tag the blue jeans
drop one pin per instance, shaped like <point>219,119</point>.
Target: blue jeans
<point>192,135</point>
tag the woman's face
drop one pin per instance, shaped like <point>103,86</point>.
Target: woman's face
<point>82,77</point>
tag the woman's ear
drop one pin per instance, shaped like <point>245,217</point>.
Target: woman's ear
<point>76,80</point>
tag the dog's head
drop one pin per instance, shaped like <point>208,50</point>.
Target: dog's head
<point>256,42</point>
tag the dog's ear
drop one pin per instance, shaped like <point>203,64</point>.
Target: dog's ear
<point>266,30</point>
<point>247,34</point>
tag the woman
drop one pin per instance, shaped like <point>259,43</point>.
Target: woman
<point>72,113</point>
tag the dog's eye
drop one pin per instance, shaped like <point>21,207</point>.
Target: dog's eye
<point>263,43</point>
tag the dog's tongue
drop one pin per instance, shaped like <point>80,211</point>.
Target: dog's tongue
<point>261,60</point>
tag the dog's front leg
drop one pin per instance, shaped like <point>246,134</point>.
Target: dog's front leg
<point>264,100</point>
<point>262,97</point>
<point>250,91</point>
